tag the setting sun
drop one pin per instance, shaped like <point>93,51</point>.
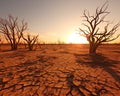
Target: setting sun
<point>76,39</point>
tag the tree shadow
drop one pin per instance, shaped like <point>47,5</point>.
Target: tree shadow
<point>99,60</point>
<point>116,51</point>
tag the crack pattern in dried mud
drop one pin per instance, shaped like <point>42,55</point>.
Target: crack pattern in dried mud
<point>41,77</point>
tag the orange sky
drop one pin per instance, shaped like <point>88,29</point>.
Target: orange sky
<point>56,20</point>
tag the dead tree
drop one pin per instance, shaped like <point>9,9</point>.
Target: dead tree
<point>95,31</point>
<point>12,30</point>
<point>30,41</point>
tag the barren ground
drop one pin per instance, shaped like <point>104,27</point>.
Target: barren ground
<point>60,70</point>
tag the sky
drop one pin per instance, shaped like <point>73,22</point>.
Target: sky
<point>55,20</point>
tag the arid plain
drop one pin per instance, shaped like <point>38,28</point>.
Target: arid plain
<point>60,70</point>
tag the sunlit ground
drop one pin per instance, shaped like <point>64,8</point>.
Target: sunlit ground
<point>60,70</point>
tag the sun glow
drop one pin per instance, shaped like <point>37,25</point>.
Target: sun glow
<point>76,39</point>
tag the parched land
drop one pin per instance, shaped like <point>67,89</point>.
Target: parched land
<point>60,70</point>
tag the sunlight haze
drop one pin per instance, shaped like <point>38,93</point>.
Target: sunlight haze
<point>56,20</point>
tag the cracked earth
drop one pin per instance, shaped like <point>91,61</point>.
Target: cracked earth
<point>60,70</point>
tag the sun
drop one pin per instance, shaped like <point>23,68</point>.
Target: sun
<point>76,39</point>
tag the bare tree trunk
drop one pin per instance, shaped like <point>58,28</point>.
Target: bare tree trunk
<point>14,46</point>
<point>92,50</point>
<point>30,47</point>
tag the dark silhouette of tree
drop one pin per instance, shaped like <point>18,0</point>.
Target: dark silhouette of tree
<point>30,40</point>
<point>93,24</point>
<point>12,30</point>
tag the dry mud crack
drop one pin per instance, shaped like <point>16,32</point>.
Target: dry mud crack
<point>56,74</point>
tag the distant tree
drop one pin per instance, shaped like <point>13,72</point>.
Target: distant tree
<point>12,30</point>
<point>60,42</point>
<point>93,24</point>
<point>30,40</point>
